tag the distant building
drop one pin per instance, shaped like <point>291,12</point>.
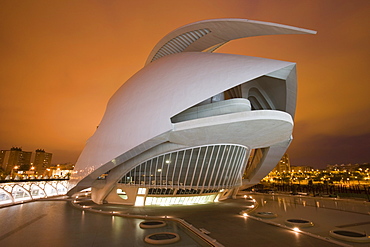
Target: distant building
<point>60,170</point>
<point>300,168</point>
<point>41,160</point>
<point>339,167</point>
<point>347,167</point>
<point>16,160</point>
<point>283,165</point>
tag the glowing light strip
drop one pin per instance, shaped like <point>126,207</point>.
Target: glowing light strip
<point>180,200</point>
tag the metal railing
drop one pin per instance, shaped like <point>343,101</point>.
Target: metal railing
<point>13,192</point>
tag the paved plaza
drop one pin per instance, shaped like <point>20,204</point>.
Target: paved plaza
<point>58,223</point>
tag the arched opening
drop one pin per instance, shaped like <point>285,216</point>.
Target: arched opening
<point>5,197</point>
<point>258,100</point>
<point>36,191</point>
<point>61,189</point>
<point>50,190</point>
<point>20,194</point>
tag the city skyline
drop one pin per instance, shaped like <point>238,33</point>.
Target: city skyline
<point>61,63</point>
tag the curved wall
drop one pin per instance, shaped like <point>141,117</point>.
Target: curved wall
<point>185,98</point>
<point>142,108</point>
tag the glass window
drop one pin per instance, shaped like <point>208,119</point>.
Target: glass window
<point>139,201</point>
<point>122,194</point>
<point>141,191</point>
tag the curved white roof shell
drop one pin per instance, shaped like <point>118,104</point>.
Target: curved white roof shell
<point>138,114</point>
<point>209,35</point>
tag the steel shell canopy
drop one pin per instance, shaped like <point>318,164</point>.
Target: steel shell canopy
<point>209,35</point>
<point>141,109</point>
<point>179,77</point>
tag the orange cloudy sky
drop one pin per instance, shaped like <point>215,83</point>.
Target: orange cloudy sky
<point>60,61</point>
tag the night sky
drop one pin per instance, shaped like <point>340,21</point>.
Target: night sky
<point>61,61</point>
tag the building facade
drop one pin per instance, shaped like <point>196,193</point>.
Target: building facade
<point>60,170</point>
<point>41,160</point>
<point>283,165</point>
<point>16,161</point>
<point>192,126</point>
<point>297,169</point>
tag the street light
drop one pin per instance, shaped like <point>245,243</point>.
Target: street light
<point>14,168</point>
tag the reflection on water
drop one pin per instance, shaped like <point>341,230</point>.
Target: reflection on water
<point>326,214</point>
<point>285,203</point>
<point>64,225</point>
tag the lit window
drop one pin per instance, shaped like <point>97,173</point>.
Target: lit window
<point>139,201</point>
<point>167,201</point>
<point>141,191</point>
<point>122,194</point>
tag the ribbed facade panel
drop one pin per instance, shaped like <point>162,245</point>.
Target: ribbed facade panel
<point>211,166</point>
<point>180,43</point>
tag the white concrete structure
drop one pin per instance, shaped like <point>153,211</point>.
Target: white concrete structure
<point>18,192</point>
<point>192,122</point>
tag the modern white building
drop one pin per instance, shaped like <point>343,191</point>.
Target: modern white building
<point>192,126</point>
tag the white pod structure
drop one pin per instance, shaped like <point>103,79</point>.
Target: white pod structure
<point>192,125</point>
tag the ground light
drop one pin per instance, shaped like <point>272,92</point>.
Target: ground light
<point>296,229</point>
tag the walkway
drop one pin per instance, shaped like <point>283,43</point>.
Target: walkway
<point>229,228</point>
<point>57,223</point>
